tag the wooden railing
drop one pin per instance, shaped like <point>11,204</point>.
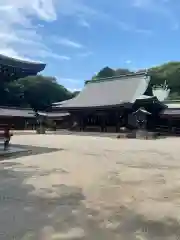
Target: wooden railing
<point>166,131</point>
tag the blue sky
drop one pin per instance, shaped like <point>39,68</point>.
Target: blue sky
<point>76,38</point>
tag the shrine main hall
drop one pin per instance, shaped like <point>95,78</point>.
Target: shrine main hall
<point>109,104</point>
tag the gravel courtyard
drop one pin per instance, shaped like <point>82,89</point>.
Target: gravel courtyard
<point>91,188</point>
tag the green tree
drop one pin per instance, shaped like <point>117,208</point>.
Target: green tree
<point>15,94</point>
<point>122,71</point>
<point>105,73</point>
<point>40,92</point>
<point>94,77</point>
<point>169,72</point>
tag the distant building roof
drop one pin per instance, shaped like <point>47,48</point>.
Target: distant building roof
<point>172,104</point>
<point>59,103</point>
<point>170,112</point>
<point>172,107</point>
<point>144,97</point>
<point>29,113</point>
<point>109,92</point>
<point>16,112</point>
<point>54,115</point>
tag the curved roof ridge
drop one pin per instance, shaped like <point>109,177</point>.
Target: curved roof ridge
<point>136,74</point>
<point>15,108</point>
<point>23,60</point>
<point>13,62</point>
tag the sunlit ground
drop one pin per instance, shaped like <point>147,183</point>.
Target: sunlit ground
<point>91,188</point>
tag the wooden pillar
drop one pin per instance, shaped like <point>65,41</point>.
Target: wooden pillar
<point>80,122</point>
<point>117,121</point>
<point>105,123</point>
<point>126,119</point>
<point>25,124</point>
<point>102,123</point>
<point>84,120</point>
<point>170,124</point>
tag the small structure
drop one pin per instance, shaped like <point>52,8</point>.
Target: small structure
<point>20,118</point>
<point>49,120</point>
<point>141,117</point>
<point>26,118</point>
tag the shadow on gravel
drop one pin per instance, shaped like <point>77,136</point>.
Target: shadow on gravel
<point>24,150</point>
<point>25,216</point>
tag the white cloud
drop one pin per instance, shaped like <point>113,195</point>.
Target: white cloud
<point>74,89</point>
<point>75,7</point>
<point>10,52</point>
<point>83,23</point>
<point>43,54</point>
<point>161,8</point>
<point>19,36</point>
<point>67,42</point>
<point>131,28</point>
<point>141,3</point>
<point>124,26</point>
<point>85,54</point>
<point>128,61</point>
<point>175,27</point>
<point>43,9</point>
<point>70,80</point>
<point>72,84</point>
<point>147,32</point>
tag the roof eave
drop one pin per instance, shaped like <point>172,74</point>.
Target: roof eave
<point>24,64</point>
<point>74,108</point>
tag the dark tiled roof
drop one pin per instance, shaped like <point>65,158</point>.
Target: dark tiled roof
<point>109,92</point>
<point>22,64</point>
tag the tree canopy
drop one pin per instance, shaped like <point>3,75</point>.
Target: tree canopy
<point>109,72</point>
<point>105,72</point>
<point>37,92</point>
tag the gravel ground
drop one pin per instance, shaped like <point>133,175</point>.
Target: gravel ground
<point>91,188</point>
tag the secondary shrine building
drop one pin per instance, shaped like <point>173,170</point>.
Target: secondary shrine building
<point>12,69</point>
<point>112,103</point>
